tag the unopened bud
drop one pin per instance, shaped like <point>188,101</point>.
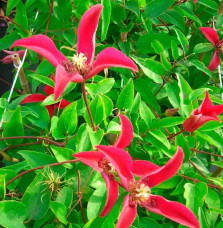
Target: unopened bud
<point>171,111</point>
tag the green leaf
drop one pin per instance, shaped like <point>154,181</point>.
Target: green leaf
<point>161,138</point>
<point>182,142</point>
<point>157,7</point>
<point>11,130</point>
<point>209,3</point>
<point>143,87</point>
<point>203,47</point>
<point>67,122</point>
<point>188,13</point>
<point>37,198</point>
<point>174,49</point>
<point>136,103</point>
<point>95,136</point>
<point>201,218</point>
<point>200,66</point>
<point>106,14</point>
<point>8,40</point>
<point>2,187</point>
<point>195,195</point>
<point>59,210</point>
<point>95,202</point>
<point>63,154</point>
<point>62,9</point>
<point>41,78</point>
<point>133,6</point>
<point>96,108</point>
<point>158,47</point>
<point>105,85</point>
<point>150,68</point>
<point>126,97</point>
<point>168,122</point>
<point>65,196</point>
<point>10,5</point>
<point>183,40</point>
<point>21,18</point>
<point>165,62</point>
<point>148,222</point>
<point>146,114</point>
<point>13,214</point>
<point>107,106</point>
<point>83,139</point>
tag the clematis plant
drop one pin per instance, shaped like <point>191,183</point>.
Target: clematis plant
<point>82,66</point>
<point>212,36</point>
<point>203,114</point>
<point>40,98</point>
<point>140,191</point>
<point>101,163</point>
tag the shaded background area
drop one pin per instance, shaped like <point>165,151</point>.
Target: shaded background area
<point>5,69</point>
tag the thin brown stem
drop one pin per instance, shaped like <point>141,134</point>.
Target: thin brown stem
<point>196,180</point>
<point>87,106</point>
<point>48,19</point>
<point>220,9</point>
<point>174,135</point>
<point>39,167</point>
<point>18,145</point>
<point>163,22</point>
<point>199,171</point>
<point>80,196</point>
<point>9,19</point>
<point>9,84</point>
<point>33,137</point>
<point>204,152</point>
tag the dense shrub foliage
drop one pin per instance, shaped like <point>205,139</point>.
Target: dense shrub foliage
<point>116,103</point>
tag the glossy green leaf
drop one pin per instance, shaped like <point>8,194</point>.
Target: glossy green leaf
<point>200,66</point>
<point>10,129</point>
<point>37,198</point>
<point>59,210</point>
<point>157,7</point>
<point>203,47</point>
<point>106,14</point>
<point>126,97</point>
<point>43,79</point>
<point>183,40</point>
<point>65,196</point>
<point>62,9</point>
<point>13,214</point>
<point>158,47</point>
<point>2,187</point>
<point>174,49</point>
<point>10,5</point>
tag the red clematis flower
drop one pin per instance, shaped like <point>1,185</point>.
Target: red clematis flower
<point>82,66</point>
<point>212,36</point>
<point>40,97</point>
<point>8,58</point>
<point>203,114</point>
<point>102,163</point>
<point>140,191</point>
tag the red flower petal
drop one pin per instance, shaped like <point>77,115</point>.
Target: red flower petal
<point>218,109</point>
<point>50,109</point>
<point>121,160</point>
<point>111,57</point>
<point>206,106</point>
<point>142,168</point>
<point>172,210</point>
<point>127,215</point>
<point>211,35</point>
<point>90,158</point>
<point>8,58</point>
<point>48,90</point>
<point>126,135</point>
<point>215,61</point>
<point>62,80</point>
<point>112,193</point>
<point>166,171</point>
<point>33,98</point>
<point>44,46</point>
<point>87,31</point>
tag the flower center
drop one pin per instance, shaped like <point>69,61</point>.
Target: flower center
<point>219,48</point>
<point>79,61</point>
<point>138,193</point>
<point>107,167</point>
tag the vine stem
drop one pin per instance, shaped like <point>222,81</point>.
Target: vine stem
<point>33,137</point>
<point>196,180</point>
<point>48,20</point>
<point>174,135</point>
<point>204,152</point>
<point>9,19</point>
<point>80,195</point>
<point>87,106</point>
<point>39,167</point>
